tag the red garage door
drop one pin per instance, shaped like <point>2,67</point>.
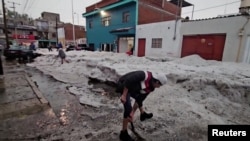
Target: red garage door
<point>209,47</point>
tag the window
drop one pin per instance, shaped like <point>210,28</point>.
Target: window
<point>53,35</point>
<point>125,17</point>
<point>91,24</point>
<point>157,43</point>
<point>106,21</point>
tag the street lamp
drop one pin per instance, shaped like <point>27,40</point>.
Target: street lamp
<point>103,13</point>
<point>77,17</point>
<point>73,22</point>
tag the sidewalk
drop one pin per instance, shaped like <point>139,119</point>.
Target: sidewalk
<point>18,93</point>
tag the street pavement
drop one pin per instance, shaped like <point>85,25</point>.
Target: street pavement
<point>18,93</point>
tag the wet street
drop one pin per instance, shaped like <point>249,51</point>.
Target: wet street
<point>89,110</point>
<point>67,119</point>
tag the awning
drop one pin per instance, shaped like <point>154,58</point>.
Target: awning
<point>126,29</point>
<point>108,7</point>
<point>25,40</point>
<point>184,3</point>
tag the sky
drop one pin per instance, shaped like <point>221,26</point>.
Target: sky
<point>34,8</point>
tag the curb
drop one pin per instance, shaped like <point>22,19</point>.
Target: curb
<point>25,107</point>
<point>36,91</point>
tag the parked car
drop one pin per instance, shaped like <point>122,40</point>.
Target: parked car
<point>27,54</point>
<point>70,48</point>
<point>20,52</point>
<point>12,52</point>
<point>83,47</point>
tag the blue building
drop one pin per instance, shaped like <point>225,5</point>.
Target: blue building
<point>108,25</point>
<point>111,24</point>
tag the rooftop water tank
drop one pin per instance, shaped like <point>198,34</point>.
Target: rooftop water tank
<point>245,7</point>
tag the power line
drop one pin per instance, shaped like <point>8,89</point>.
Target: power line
<point>31,5</point>
<point>26,3</point>
<point>211,7</point>
<point>57,3</point>
<point>14,7</point>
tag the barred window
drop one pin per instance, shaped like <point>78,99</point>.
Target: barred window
<point>106,21</point>
<point>125,17</point>
<point>157,43</point>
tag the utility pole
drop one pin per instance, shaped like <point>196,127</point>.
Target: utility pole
<point>14,9</point>
<point>5,25</point>
<point>74,39</point>
<point>6,36</point>
<point>77,17</point>
<point>56,31</point>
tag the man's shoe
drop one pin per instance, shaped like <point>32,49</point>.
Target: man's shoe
<point>145,116</point>
<point>124,136</point>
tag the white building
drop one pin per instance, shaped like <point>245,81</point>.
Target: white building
<point>236,30</point>
<point>166,33</point>
<point>221,38</point>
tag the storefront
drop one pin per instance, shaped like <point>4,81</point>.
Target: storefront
<point>23,39</point>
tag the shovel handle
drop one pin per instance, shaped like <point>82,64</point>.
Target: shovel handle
<point>132,126</point>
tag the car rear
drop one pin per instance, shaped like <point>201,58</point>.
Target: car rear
<point>12,52</point>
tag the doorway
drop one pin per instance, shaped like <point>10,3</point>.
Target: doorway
<point>125,44</point>
<point>141,47</point>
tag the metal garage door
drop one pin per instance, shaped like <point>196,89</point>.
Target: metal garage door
<point>209,47</point>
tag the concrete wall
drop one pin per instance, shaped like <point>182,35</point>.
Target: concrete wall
<point>50,16</point>
<point>164,30</point>
<point>230,26</point>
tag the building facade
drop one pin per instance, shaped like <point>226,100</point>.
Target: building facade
<point>47,26</point>
<point>221,38</point>
<point>158,39</point>
<point>65,33</point>
<point>19,31</point>
<point>111,24</point>
<point>53,19</point>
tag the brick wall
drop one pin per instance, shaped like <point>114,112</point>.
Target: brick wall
<point>151,11</point>
<point>100,4</point>
<point>147,14</point>
<point>79,32</point>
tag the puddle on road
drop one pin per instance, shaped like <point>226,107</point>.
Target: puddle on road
<point>108,88</point>
<point>54,91</point>
<point>57,92</point>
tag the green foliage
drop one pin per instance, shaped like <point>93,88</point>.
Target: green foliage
<point>16,15</point>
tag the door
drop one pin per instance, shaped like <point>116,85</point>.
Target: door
<point>141,47</point>
<point>123,45</point>
<point>209,47</point>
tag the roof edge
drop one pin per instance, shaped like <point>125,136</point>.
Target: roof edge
<point>107,7</point>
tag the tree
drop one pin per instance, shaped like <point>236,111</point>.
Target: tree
<point>17,16</point>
